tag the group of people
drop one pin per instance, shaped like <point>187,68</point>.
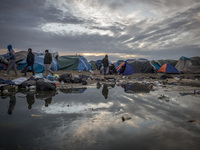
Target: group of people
<point>47,62</point>
<point>30,61</point>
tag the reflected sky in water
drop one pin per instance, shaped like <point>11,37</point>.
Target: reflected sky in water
<point>92,119</point>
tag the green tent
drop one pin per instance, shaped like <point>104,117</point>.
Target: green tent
<point>94,65</point>
<point>74,62</point>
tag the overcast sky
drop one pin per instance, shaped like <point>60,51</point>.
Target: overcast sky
<point>153,29</point>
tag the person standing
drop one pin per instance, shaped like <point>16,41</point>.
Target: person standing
<point>12,61</point>
<point>105,64</point>
<point>30,61</point>
<point>47,62</point>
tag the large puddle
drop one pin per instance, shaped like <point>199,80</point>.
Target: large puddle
<point>108,117</point>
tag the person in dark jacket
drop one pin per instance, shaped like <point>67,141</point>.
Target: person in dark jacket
<point>12,61</point>
<point>105,91</point>
<point>30,61</point>
<point>47,62</point>
<point>105,64</point>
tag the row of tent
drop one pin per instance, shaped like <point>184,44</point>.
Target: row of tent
<point>130,66</point>
<point>73,62</point>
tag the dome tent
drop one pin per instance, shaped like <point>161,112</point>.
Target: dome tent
<point>167,68</point>
<point>74,62</point>
<point>188,65</point>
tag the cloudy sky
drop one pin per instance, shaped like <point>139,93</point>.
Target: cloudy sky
<point>153,29</point>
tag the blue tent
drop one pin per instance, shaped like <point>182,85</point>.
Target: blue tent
<point>84,64</point>
<point>127,69</point>
<point>99,63</point>
<point>39,64</point>
<point>117,63</point>
<point>156,66</point>
<point>168,68</point>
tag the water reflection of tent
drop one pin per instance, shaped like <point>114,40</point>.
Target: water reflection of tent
<point>136,88</point>
<point>73,90</point>
<point>42,94</point>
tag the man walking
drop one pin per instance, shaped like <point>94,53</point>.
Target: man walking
<point>47,62</point>
<point>30,61</point>
<point>105,64</point>
<point>12,61</point>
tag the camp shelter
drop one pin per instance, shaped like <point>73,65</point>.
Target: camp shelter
<point>118,62</point>
<point>94,65</point>
<point>74,62</point>
<point>168,68</point>
<point>155,64</point>
<point>135,66</point>
<point>99,63</point>
<point>188,65</point>
<point>21,55</point>
<point>39,64</point>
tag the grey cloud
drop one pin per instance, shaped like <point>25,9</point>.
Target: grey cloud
<point>173,25</point>
<point>20,21</point>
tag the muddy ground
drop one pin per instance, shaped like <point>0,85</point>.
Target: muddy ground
<point>173,79</point>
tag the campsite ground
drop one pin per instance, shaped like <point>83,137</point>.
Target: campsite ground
<point>184,79</point>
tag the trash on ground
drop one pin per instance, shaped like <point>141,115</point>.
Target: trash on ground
<point>163,97</point>
<point>33,115</point>
<point>190,120</point>
<point>196,91</point>
<point>110,79</point>
<point>166,76</point>
<point>44,84</point>
<point>125,117</point>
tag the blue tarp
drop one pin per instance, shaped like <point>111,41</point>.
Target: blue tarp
<point>185,58</point>
<point>39,64</point>
<point>171,69</point>
<point>2,81</point>
<point>168,68</point>
<point>156,66</point>
<point>83,64</point>
<point>128,69</point>
<point>99,63</point>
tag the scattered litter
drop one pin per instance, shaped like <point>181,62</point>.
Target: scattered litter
<point>51,78</point>
<point>196,91</point>
<point>125,117</point>
<point>163,97</point>
<point>30,87</point>
<point>38,75</point>
<point>110,79</point>
<point>166,76</point>
<point>5,91</point>
<point>151,77</point>
<point>33,115</point>
<point>190,121</point>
